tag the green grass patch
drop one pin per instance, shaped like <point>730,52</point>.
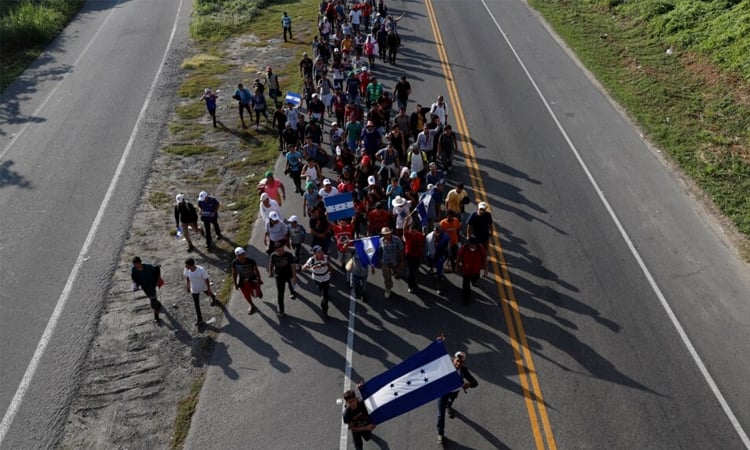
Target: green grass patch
<point>206,63</point>
<point>194,83</point>
<point>185,411</point>
<point>692,104</point>
<point>159,199</point>
<point>192,110</point>
<point>26,27</point>
<point>189,149</point>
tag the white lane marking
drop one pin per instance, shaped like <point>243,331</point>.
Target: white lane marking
<point>52,323</point>
<point>654,286</point>
<point>348,367</point>
<point>52,93</point>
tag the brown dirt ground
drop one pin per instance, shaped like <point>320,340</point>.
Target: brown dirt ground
<point>137,371</point>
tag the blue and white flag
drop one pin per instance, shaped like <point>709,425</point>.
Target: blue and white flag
<point>422,378</point>
<point>293,98</point>
<point>367,250</point>
<point>422,206</point>
<point>339,206</point>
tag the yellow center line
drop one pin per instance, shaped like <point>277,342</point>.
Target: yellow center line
<point>523,358</point>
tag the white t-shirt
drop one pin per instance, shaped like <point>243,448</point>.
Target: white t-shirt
<point>401,213</point>
<point>198,278</point>
<point>439,111</point>
<point>355,16</point>
<point>265,211</point>
<point>323,194</point>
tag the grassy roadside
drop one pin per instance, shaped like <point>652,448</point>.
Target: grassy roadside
<point>693,103</point>
<point>26,27</point>
<point>213,29</point>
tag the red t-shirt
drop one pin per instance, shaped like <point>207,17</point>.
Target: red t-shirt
<point>472,261</point>
<point>414,245</point>
<point>377,219</point>
<point>343,234</point>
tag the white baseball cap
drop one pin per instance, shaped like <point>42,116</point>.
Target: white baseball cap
<point>202,196</point>
<point>371,180</point>
<point>460,355</point>
<point>482,205</point>
<point>179,198</point>
<point>239,251</point>
<point>326,182</point>
<point>264,197</point>
<point>273,215</point>
<point>293,218</point>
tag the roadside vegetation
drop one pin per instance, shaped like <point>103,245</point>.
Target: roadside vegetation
<point>217,27</point>
<point>681,70</point>
<point>26,27</point>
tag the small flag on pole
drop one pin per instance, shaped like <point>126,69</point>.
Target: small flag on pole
<point>422,206</point>
<point>293,98</point>
<point>339,206</point>
<point>421,378</point>
<point>367,250</point>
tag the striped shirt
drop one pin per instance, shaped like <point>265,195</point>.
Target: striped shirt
<point>319,267</point>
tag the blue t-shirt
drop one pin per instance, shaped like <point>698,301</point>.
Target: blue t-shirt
<point>295,161</point>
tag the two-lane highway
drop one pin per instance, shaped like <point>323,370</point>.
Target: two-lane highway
<point>617,315</point>
<point>77,133</point>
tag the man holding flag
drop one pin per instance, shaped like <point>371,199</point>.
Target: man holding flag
<point>421,378</point>
<point>446,401</point>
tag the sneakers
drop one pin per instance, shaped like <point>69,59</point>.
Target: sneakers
<point>387,294</point>
<point>214,302</point>
<point>439,292</point>
<point>251,310</point>
<point>293,295</point>
<point>440,439</point>
<point>451,413</point>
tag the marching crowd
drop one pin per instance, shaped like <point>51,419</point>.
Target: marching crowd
<point>346,133</point>
<point>352,136</point>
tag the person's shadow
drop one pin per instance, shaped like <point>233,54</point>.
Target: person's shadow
<point>381,443</point>
<point>485,433</point>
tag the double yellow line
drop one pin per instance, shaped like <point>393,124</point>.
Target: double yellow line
<point>532,392</point>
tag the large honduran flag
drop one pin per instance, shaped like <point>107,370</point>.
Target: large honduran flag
<point>339,206</point>
<point>421,378</point>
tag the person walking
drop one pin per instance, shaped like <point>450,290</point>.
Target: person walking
<point>480,225</point>
<point>391,258</point>
<point>246,277</point>
<point>147,276</point>
<point>260,107</point>
<point>293,168</point>
<point>197,283</point>
<point>414,248</point>
<point>357,274</point>
<point>452,227</point>
<point>274,188</point>
<point>282,267</point>
<point>186,215</point>
<point>243,97</point>
<point>276,232</point>
<point>320,268</point>
<point>445,403</point>
<point>210,99</point>
<point>274,87</point>
<point>286,25</point>
<point>358,419</point>
<point>437,247</point>
<point>297,234</point>
<point>209,212</point>
<point>267,206</point>
<point>472,260</point>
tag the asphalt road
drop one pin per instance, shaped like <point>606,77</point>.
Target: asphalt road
<point>65,125</point>
<point>613,370</point>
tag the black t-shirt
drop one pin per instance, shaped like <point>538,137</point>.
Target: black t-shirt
<point>282,264</point>
<point>402,90</point>
<point>359,417</point>
<point>480,225</point>
<point>246,270</point>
